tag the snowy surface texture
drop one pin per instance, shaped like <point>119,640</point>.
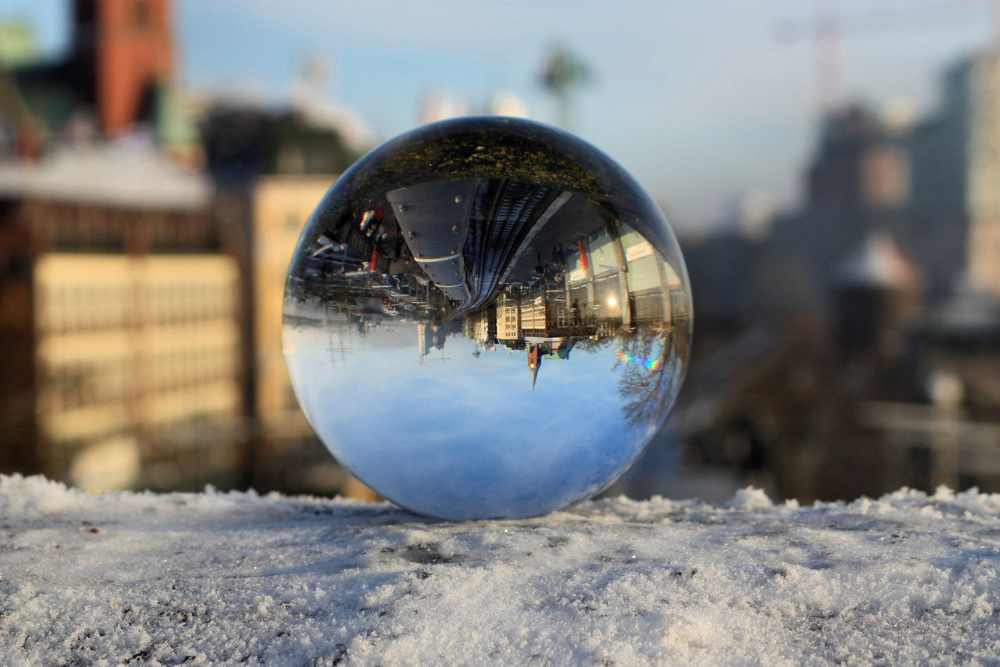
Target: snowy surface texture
<point>236,578</point>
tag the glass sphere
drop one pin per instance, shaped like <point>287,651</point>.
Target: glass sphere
<point>487,318</point>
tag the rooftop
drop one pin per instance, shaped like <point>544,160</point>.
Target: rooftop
<point>126,173</point>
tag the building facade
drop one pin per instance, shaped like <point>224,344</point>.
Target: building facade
<point>983,186</point>
<point>287,455</point>
<point>121,338</point>
<point>281,206</point>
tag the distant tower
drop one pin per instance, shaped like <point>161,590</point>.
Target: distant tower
<point>129,45</point>
<point>534,361</point>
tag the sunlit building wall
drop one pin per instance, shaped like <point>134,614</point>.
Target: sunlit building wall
<point>281,206</point>
<point>508,318</point>
<point>983,185</point>
<point>120,340</point>
<point>128,347</point>
<point>533,316</point>
<point>287,454</point>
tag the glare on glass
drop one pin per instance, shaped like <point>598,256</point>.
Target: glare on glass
<point>487,318</point>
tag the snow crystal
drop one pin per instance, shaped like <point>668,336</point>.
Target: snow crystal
<point>216,577</point>
<point>750,499</point>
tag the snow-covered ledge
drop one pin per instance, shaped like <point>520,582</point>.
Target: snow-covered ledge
<point>236,578</point>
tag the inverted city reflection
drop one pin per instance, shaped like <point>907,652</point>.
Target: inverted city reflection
<point>487,318</point>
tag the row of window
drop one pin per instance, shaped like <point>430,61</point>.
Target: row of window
<point>72,227</point>
<point>82,308</point>
<point>80,384</point>
<point>186,368</point>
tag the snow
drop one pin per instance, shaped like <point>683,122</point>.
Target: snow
<point>237,578</point>
<point>130,172</point>
<point>880,262</point>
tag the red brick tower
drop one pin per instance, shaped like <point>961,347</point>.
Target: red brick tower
<point>130,45</point>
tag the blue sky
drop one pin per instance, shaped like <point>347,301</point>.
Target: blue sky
<point>472,428</point>
<point>696,97</point>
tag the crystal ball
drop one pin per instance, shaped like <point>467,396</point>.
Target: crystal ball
<point>487,318</point>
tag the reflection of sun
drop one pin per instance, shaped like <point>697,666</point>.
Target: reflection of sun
<point>650,364</point>
<point>611,301</point>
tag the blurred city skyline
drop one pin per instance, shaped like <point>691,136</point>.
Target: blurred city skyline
<point>704,102</point>
<point>833,171</point>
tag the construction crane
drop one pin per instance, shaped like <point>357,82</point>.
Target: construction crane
<point>829,28</point>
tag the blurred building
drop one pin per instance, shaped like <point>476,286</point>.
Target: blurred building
<point>877,293</point>
<point>281,206</point>
<point>849,350</point>
<point>142,301</point>
<point>122,360</point>
<point>244,140</point>
<point>287,454</point>
<point>117,75</point>
<point>933,185</point>
<point>120,330</point>
<point>271,166</point>
<point>982,81</point>
<point>859,181</point>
